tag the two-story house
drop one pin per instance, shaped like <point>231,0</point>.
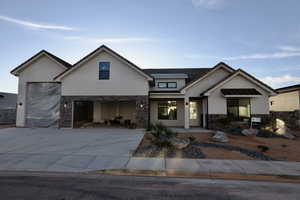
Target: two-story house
<point>104,85</point>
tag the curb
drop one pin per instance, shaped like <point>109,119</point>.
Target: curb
<point>182,174</point>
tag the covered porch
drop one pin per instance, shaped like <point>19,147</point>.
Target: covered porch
<point>179,111</point>
<point>107,111</point>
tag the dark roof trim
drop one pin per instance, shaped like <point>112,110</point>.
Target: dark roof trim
<point>240,91</point>
<point>111,51</point>
<point>59,60</point>
<point>290,88</point>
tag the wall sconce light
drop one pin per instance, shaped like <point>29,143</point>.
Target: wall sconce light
<point>186,103</point>
<point>141,105</point>
<point>65,105</point>
<point>20,104</point>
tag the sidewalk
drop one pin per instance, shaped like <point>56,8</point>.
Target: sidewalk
<point>208,166</point>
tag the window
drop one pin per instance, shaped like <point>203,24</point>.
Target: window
<point>167,110</point>
<point>238,109</point>
<point>172,85</point>
<point>162,85</point>
<point>167,84</point>
<point>104,68</point>
<point>193,110</point>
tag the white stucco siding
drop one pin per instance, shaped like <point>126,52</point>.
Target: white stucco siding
<point>288,101</point>
<point>217,104</point>
<point>43,69</point>
<point>176,123</point>
<point>180,84</point>
<point>206,83</point>
<point>84,81</point>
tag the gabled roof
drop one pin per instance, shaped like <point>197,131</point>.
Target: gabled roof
<point>192,73</point>
<point>210,71</point>
<point>244,74</point>
<point>36,56</point>
<point>98,50</point>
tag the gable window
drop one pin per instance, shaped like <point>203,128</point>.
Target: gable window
<point>104,68</point>
<point>167,84</point>
<point>167,110</point>
<point>238,108</point>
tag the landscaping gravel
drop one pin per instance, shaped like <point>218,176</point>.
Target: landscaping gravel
<point>253,154</point>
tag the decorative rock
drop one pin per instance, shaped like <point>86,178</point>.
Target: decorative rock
<point>179,143</point>
<point>282,130</point>
<point>250,131</point>
<point>220,137</point>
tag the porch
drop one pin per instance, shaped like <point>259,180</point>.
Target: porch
<point>178,112</point>
<point>104,111</point>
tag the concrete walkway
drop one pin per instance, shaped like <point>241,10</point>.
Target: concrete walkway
<point>216,166</point>
<point>67,150</point>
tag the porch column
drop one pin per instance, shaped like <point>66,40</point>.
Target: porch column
<point>186,113</point>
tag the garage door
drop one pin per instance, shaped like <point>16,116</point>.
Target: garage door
<point>42,104</point>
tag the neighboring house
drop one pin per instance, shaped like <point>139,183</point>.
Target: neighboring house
<point>104,85</point>
<point>288,99</point>
<point>8,102</point>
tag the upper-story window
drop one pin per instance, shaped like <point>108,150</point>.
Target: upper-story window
<point>167,84</point>
<point>104,68</point>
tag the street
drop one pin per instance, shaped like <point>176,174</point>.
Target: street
<point>29,185</point>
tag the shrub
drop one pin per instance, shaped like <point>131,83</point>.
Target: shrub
<point>161,135</point>
<point>263,148</point>
<point>283,145</point>
<point>192,138</point>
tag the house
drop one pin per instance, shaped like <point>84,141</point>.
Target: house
<point>104,85</point>
<point>288,99</point>
<point>8,102</point>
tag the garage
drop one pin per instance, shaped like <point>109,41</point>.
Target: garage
<point>42,104</point>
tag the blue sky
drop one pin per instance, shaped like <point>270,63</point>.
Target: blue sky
<point>259,36</point>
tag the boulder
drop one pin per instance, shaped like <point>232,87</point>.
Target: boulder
<point>250,131</point>
<point>220,137</point>
<point>179,143</point>
<point>283,130</point>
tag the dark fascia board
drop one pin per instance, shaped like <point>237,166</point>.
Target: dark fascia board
<point>290,88</point>
<point>61,61</point>
<point>111,51</point>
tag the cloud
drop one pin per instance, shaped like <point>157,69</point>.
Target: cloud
<point>263,56</point>
<point>35,25</point>
<point>109,40</point>
<point>208,3</point>
<point>281,80</point>
<point>289,48</point>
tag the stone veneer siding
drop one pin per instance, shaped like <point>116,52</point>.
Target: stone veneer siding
<point>213,119</point>
<point>291,118</point>
<point>142,107</point>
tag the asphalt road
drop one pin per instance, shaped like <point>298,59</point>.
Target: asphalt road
<point>33,186</point>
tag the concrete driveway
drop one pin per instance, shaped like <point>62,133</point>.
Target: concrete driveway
<point>68,150</point>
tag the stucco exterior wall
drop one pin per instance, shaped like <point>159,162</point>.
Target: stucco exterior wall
<point>206,83</point>
<point>217,104</point>
<point>154,114</point>
<point>180,84</point>
<point>84,81</point>
<point>43,69</point>
<point>288,101</point>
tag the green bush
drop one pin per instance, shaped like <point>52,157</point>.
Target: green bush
<point>161,135</point>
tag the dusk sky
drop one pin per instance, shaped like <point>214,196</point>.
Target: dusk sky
<point>259,36</point>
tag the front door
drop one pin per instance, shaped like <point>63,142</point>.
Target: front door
<point>195,116</point>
